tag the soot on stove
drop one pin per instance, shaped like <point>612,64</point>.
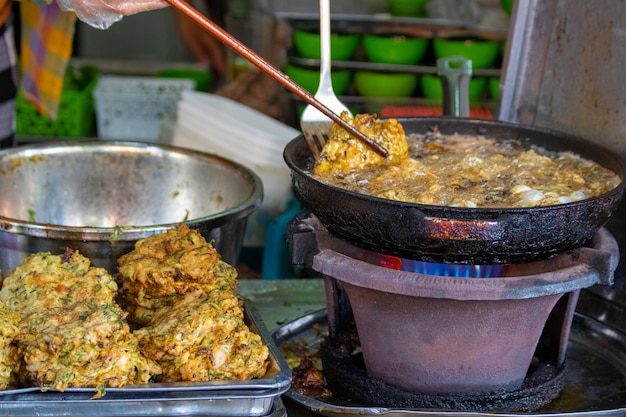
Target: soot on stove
<point>345,374</point>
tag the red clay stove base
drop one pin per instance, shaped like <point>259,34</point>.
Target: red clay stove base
<point>444,345</point>
<point>345,374</point>
<point>437,334</point>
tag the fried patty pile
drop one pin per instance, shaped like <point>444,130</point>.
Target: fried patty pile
<point>173,316</point>
<point>70,332</point>
<point>203,337</point>
<point>182,299</point>
<point>164,267</point>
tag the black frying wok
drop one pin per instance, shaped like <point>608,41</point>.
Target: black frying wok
<point>460,235</point>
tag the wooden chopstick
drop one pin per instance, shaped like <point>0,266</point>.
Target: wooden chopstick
<point>271,70</point>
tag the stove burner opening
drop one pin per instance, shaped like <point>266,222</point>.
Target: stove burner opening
<point>439,269</point>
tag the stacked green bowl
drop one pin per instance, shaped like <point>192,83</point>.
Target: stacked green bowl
<point>433,89</point>
<point>408,8</point>
<point>394,49</point>
<point>389,85</point>
<point>309,78</point>
<point>482,53</point>
<point>342,46</point>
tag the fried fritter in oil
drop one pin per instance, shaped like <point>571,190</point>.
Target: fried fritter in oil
<point>203,337</point>
<point>71,332</point>
<point>456,170</point>
<point>9,326</point>
<point>344,153</point>
<point>163,268</point>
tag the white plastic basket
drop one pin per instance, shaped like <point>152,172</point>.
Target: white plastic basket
<point>132,108</point>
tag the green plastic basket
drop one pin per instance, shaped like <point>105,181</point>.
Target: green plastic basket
<point>76,114</point>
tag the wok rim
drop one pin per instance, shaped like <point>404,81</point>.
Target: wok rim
<point>131,233</point>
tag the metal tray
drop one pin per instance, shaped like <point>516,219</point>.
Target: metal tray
<point>595,382</point>
<point>254,398</point>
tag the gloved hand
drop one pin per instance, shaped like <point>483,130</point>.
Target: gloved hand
<point>101,14</point>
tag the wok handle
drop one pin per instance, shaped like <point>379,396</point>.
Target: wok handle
<point>455,73</point>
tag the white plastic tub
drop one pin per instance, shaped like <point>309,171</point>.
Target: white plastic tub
<point>132,108</point>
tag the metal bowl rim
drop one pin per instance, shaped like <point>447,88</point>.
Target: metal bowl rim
<point>130,233</point>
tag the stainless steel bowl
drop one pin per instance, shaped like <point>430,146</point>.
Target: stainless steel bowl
<point>101,197</point>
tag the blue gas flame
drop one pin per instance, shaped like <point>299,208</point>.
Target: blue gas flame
<point>440,269</point>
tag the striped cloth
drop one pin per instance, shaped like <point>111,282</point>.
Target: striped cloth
<point>8,84</point>
<point>46,47</point>
<point>5,12</point>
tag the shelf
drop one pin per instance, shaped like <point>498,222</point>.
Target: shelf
<point>372,66</point>
<point>404,107</point>
<point>385,24</point>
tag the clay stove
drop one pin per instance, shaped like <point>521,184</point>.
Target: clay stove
<point>483,338</point>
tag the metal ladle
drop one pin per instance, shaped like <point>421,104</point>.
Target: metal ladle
<point>272,71</point>
<point>455,73</point>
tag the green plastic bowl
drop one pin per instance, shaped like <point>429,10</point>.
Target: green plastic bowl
<point>309,79</point>
<point>380,84</point>
<point>432,88</point>
<point>507,6</point>
<point>203,79</point>
<point>342,46</point>
<point>482,53</point>
<point>494,87</point>
<point>394,49</point>
<point>407,8</point>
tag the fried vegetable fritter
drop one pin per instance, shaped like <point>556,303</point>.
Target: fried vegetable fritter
<point>203,337</point>
<point>344,153</point>
<point>43,281</point>
<point>9,361</point>
<point>190,319</point>
<point>163,268</point>
<point>61,325</point>
<point>84,346</point>
<point>71,331</point>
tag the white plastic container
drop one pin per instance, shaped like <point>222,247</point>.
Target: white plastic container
<point>132,108</point>
<point>214,124</point>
